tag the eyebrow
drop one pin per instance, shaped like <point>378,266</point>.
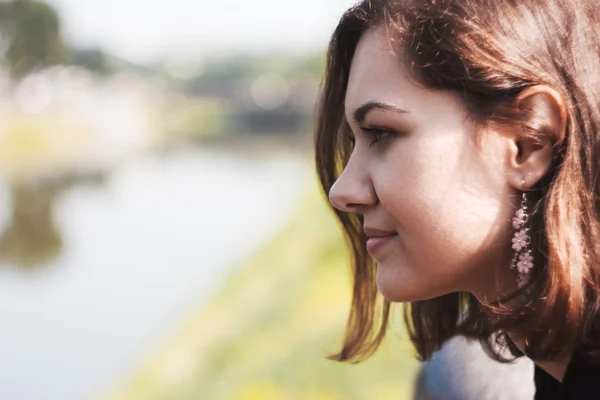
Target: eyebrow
<point>361,112</point>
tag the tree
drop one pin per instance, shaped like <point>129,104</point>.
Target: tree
<point>93,59</point>
<point>30,33</point>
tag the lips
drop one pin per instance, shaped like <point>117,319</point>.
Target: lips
<point>374,232</point>
<point>378,239</point>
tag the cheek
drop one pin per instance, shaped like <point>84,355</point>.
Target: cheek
<point>447,204</point>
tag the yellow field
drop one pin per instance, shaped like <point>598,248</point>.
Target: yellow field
<point>266,335</point>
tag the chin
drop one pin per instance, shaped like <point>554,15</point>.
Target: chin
<point>397,289</point>
<point>399,296</point>
<point>396,293</point>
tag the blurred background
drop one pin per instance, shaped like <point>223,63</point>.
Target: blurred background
<point>161,231</point>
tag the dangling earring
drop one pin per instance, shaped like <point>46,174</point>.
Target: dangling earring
<point>522,259</point>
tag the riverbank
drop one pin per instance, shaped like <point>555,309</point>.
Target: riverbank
<point>267,331</point>
<point>253,145</point>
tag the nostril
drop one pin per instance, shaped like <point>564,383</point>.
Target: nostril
<point>353,206</point>
<point>341,202</point>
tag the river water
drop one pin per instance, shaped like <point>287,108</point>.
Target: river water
<point>118,265</point>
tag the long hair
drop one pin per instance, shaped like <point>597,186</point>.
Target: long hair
<point>488,51</point>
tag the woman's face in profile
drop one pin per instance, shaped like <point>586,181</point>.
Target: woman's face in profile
<point>422,181</point>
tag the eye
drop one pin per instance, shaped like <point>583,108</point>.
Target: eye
<point>376,134</point>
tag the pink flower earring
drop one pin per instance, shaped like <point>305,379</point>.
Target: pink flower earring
<point>522,259</point>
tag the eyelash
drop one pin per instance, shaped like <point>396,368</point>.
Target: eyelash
<point>377,134</point>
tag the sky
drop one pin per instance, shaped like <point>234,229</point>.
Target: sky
<point>146,30</point>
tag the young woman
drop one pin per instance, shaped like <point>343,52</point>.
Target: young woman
<point>459,142</point>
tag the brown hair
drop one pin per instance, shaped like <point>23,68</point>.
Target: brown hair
<point>488,51</point>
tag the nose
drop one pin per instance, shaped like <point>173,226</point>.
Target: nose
<point>353,191</point>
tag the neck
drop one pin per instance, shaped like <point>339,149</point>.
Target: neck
<point>499,283</point>
<point>555,368</point>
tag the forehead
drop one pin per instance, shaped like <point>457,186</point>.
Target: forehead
<point>378,74</point>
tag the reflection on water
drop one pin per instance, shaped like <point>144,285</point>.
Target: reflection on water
<point>124,262</point>
<point>31,238</point>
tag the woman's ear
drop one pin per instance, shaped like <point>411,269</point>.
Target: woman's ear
<point>529,155</point>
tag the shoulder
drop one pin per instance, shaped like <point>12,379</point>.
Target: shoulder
<point>462,370</point>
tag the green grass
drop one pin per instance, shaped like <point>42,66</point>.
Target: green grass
<point>266,334</point>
